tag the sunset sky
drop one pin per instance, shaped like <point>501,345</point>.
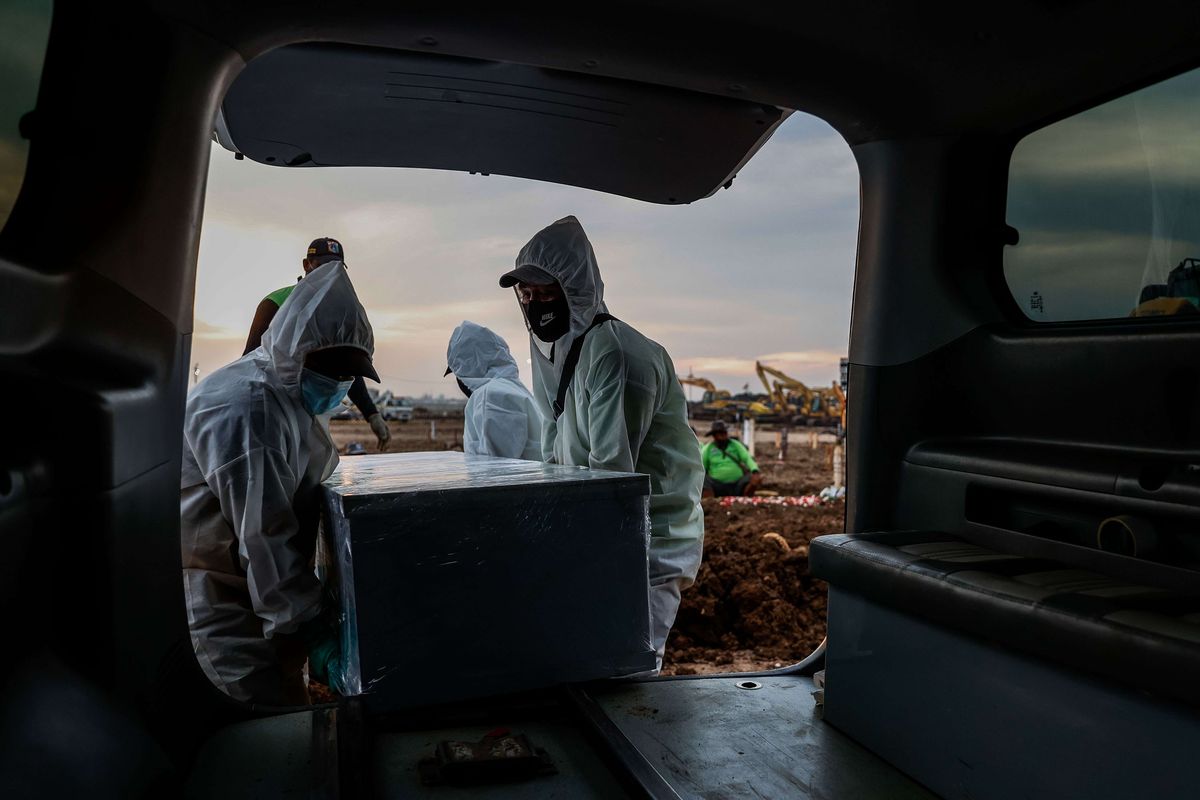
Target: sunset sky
<point>760,271</point>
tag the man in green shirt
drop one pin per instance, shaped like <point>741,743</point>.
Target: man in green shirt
<point>729,469</point>
<point>321,251</point>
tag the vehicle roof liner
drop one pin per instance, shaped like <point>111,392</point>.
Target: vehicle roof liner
<point>336,105</point>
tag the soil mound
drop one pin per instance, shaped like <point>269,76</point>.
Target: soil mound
<point>753,600</point>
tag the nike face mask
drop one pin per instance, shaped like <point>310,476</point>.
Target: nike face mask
<point>548,320</point>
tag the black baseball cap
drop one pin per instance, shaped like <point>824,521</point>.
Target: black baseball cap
<point>361,364</point>
<point>526,274</point>
<point>718,426</point>
<point>326,246</point>
<point>342,360</point>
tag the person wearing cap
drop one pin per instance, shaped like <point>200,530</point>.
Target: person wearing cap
<point>320,251</point>
<point>610,400</point>
<point>500,418</point>
<point>254,456</point>
<point>729,469</point>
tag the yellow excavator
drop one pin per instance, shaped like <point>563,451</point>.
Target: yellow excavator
<point>711,393</point>
<point>793,398</point>
<point>716,402</point>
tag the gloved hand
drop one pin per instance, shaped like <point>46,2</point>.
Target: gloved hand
<point>325,664</point>
<point>324,654</point>
<point>379,427</point>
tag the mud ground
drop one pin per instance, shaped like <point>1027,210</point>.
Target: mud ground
<point>407,437</point>
<point>754,606</point>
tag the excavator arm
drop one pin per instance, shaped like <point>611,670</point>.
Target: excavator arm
<point>781,386</point>
<point>701,383</point>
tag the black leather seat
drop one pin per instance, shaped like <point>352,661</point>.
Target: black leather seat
<point>1134,633</point>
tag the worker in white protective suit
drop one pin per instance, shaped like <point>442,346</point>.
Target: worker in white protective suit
<point>255,450</point>
<point>500,418</point>
<point>611,400</point>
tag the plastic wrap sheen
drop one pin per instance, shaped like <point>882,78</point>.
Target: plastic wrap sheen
<point>463,576</point>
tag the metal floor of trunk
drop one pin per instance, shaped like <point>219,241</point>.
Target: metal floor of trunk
<point>706,737</point>
<point>703,738</point>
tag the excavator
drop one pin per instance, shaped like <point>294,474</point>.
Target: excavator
<point>711,394</point>
<point>791,397</point>
<point>832,404</point>
<point>715,403</point>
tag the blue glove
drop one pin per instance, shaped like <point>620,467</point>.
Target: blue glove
<point>325,663</point>
<point>324,653</point>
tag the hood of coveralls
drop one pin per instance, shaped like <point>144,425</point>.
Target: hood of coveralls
<point>322,312</point>
<point>476,355</point>
<point>563,251</point>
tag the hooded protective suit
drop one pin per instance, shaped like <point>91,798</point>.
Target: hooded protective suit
<point>253,457</point>
<point>501,417</point>
<point>625,411</point>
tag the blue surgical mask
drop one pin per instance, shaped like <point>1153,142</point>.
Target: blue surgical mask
<point>320,392</point>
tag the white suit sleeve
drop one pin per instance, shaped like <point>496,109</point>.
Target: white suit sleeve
<point>620,410</point>
<point>549,431</point>
<point>255,492</point>
<point>498,429</point>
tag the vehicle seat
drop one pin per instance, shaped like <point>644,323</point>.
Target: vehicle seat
<point>1134,633</point>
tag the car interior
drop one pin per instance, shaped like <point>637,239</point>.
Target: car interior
<point>1014,605</point>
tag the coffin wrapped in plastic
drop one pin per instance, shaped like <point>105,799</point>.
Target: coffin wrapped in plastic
<point>463,576</point>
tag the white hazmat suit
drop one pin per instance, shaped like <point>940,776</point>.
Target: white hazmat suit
<point>501,418</point>
<point>624,411</point>
<point>253,457</point>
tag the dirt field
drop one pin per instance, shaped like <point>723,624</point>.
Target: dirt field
<point>407,437</point>
<point>753,606</point>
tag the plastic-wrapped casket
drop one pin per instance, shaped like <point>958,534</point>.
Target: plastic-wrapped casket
<point>463,576</point>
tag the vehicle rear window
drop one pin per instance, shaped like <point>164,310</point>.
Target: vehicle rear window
<point>26,26</point>
<point>1107,207</point>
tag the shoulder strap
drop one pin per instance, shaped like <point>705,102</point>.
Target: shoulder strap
<point>735,459</point>
<point>564,382</point>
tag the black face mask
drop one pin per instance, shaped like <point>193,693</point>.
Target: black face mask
<point>549,321</point>
<point>723,444</point>
<point>463,386</point>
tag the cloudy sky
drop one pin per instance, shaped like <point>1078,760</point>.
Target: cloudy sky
<point>763,270</point>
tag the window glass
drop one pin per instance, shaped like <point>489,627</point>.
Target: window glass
<point>26,26</point>
<point>1107,206</point>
